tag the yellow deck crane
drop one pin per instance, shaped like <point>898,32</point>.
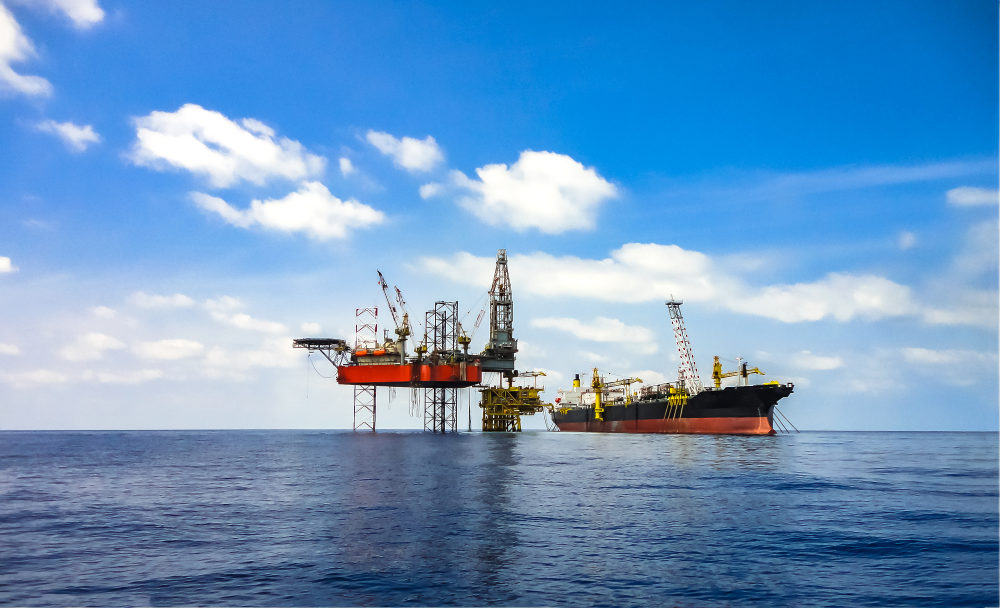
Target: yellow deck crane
<point>743,372</point>
<point>402,325</point>
<point>600,387</point>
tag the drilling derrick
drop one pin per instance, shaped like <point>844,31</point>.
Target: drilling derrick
<point>503,407</point>
<point>498,356</point>
<point>687,372</point>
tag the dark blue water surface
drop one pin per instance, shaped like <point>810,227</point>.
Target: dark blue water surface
<point>309,518</point>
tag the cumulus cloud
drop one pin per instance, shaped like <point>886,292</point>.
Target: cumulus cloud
<point>603,329</point>
<point>808,360</point>
<point>545,191</point>
<point>103,312</point>
<point>226,310</point>
<point>82,13</point>
<point>146,300</point>
<point>963,306</point>
<point>312,209</point>
<point>967,196</point>
<point>222,150</point>
<point>312,329</point>
<point>346,166</point>
<point>272,353</point>
<point>132,377</point>
<point>414,155</point>
<point>841,296</point>
<point>33,378</point>
<point>9,349</point>
<point>644,272</point>
<point>90,347</point>
<point>168,350</point>
<point>76,137</point>
<point>15,47</point>
<point>6,266</point>
<point>959,367</point>
<point>635,272</point>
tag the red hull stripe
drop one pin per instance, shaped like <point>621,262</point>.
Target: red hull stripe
<point>711,426</point>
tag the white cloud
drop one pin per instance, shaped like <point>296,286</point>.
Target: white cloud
<point>593,357</point>
<point>808,360</point>
<point>6,266</point>
<point>927,356</point>
<point>414,155</point>
<point>272,353</point>
<point>644,272</point>
<point>171,349</point>
<point>311,329</point>
<point>90,347</point>
<point>209,144</point>
<point>979,250</point>
<point>650,377</point>
<point>33,378</point>
<point>967,196</point>
<point>311,210</point>
<point>431,190</point>
<point>83,13</point>
<point>603,329</point>
<point>959,367</point>
<point>15,47</point>
<point>9,349</point>
<point>103,312</point>
<point>145,300</point>
<point>134,377</point>
<point>346,166</point>
<point>543,190</point>
<point>841,296</point>
<point>77,137</point>
<point>907,240</point>
<point>224,310</point>
<point>975,307</point>
<point>635,272</point>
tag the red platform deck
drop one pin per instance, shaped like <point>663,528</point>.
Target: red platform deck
<point>457,375</point>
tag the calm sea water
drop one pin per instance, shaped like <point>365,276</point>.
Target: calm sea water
<point>304,518</point>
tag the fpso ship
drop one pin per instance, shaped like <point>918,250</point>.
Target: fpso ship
<point>665,408</point>
<point>683,407</point>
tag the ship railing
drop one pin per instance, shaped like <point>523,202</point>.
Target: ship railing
<point>654,390</point>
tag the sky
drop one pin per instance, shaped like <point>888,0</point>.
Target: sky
<point>185,187</point>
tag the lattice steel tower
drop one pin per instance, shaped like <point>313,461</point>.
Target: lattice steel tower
<point>441,404</point>
<point>500,351</point>
<point>687,372</point>
<point>365,336</point>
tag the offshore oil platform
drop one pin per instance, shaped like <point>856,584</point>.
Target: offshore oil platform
<point>441,364</point>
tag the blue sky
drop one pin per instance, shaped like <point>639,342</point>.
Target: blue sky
<point>184,187</point>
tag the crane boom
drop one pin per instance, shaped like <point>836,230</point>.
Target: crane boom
<point>687,371</point>
<point>743,372</point>
<point>385,292</point>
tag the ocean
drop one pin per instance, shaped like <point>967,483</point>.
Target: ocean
<point>334,518</point>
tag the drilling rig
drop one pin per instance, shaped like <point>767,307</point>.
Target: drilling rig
<point>441,364</point>
<point>503,406</point>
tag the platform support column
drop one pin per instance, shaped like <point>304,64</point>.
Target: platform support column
<point>364,407</point>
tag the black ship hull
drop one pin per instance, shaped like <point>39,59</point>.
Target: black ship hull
<point>739,410</point>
